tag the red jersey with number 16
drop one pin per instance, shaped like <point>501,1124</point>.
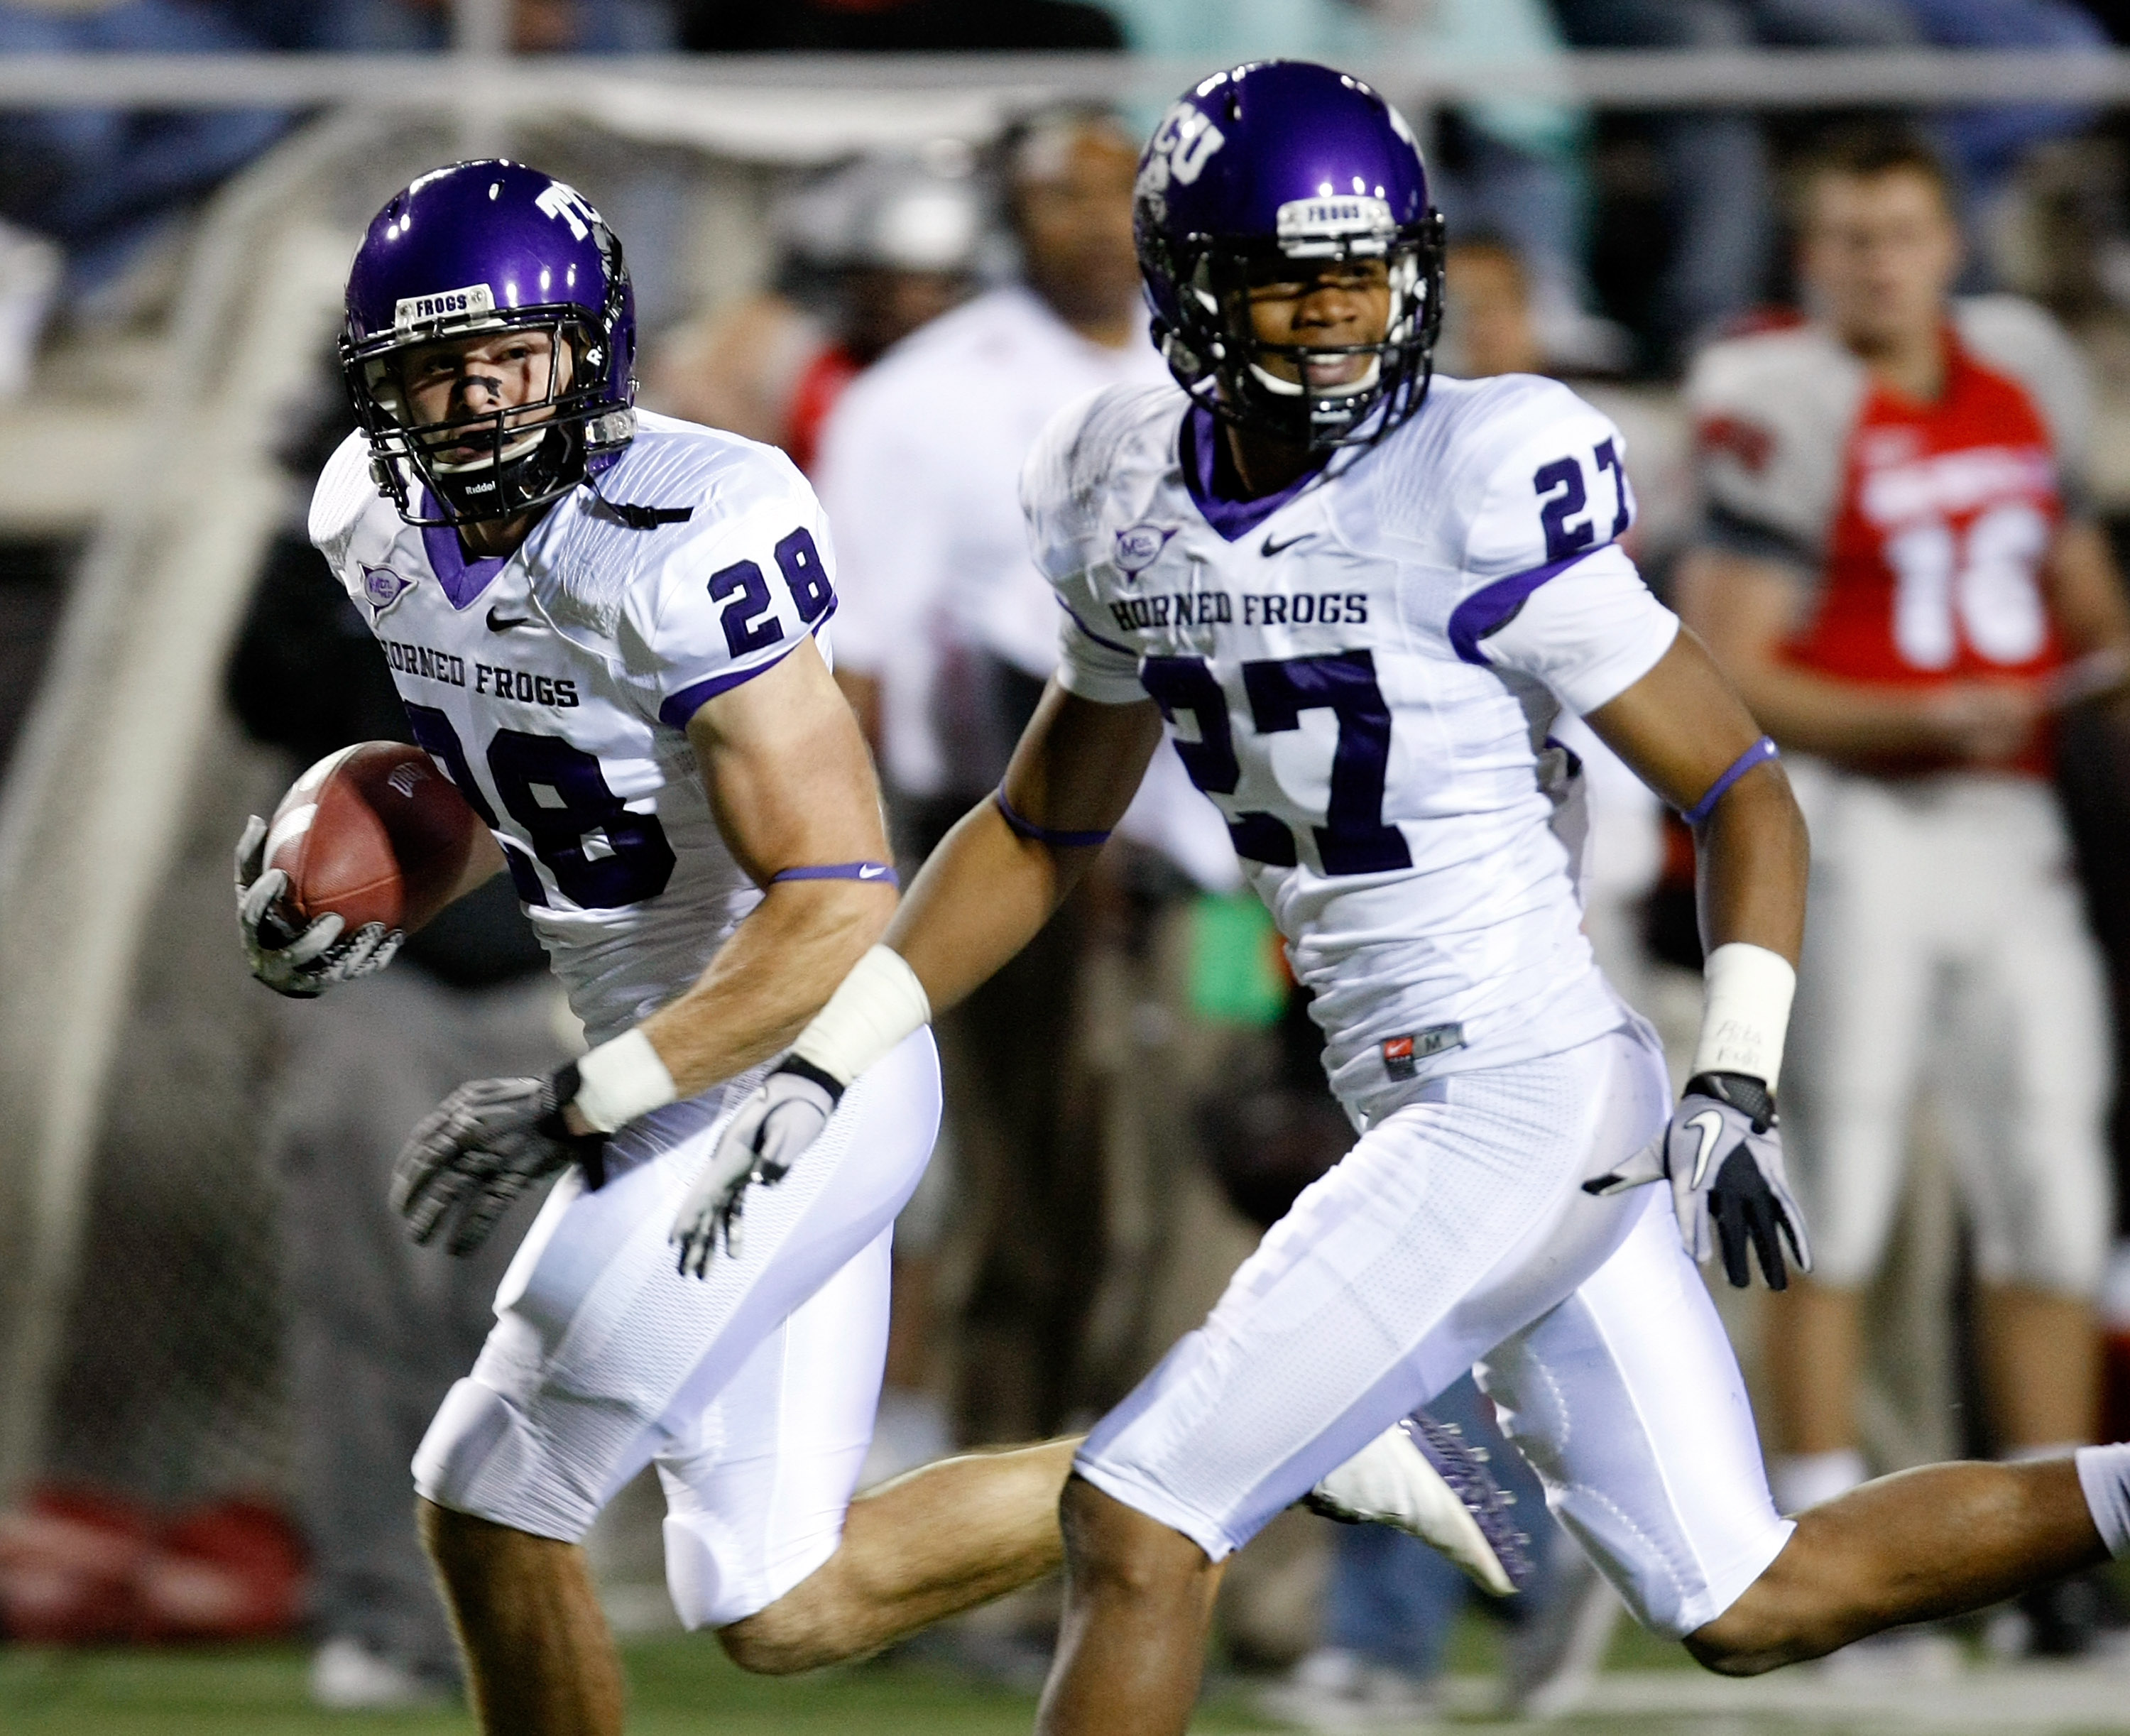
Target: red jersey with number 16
<point>1923,527</point>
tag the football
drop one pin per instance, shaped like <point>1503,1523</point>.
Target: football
<point>374,834</point>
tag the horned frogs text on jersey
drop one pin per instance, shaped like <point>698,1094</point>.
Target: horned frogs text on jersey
<point>1361,672</point>
<point>555,687</point>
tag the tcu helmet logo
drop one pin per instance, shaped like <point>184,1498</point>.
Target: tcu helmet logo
<point>1140,548</point>
<point>563,201</point>
<point>1182,145</point>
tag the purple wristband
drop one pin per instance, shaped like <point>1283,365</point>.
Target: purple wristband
<point>1026,828</point>
<point>882,872</point>
<point>1763,749</point>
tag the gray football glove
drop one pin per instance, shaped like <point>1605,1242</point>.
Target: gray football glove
<point>1724,1159</point>
<point>758,1147</point>
<point>305,965</point>
<point>471,1156</point>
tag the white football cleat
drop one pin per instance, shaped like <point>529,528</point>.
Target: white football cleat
<point>1419,1476</point>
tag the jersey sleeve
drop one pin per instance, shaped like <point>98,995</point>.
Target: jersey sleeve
<point>343,494</point>
<point>2011,333</point>
<point>752,578</point>
<point>1588,633</point>
<point>1550,595</point>
<point>1771,417</point>
<point>1056,489</point>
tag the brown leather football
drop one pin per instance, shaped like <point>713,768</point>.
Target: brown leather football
<point>375,833</point>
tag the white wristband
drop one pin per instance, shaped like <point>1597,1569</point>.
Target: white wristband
<point>1744,1011</point>
<point>875,1007</point>
<point>620,1080</point>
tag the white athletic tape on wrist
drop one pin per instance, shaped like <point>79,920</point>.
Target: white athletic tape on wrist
<point>2104,1476</point>
<point>1744,1011</point>
<point>622,1079</point>
<point>877,1005</point>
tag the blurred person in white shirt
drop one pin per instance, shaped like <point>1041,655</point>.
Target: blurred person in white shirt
<point>945,635</point>
<point>866,253</point>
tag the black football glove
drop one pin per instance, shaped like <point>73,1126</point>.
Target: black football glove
<point>473,1155</point>
<point>1723,1158</point>
<point>301,966</point>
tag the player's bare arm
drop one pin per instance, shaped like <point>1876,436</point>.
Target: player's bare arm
<point>2085,595</point>
<point>992,883</point>
<point>1680,727</point>
<point>1746,608</point>
<point>792,787</point>
<point>990,886</point>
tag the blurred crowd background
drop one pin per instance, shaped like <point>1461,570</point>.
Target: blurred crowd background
<point>248,1351</point>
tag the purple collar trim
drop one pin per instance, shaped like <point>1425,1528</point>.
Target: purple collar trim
<point>1232,519</point>
<point>462,580</point>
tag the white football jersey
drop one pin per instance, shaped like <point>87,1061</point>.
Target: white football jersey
<point>1361,672</point>
<point>555,687</point>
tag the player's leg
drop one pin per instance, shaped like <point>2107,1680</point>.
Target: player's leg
<point>1455,1220</point>
<point>2031,1033</point>
<point>932,1543</point>
<point>599,1344</point>
<point>1865,995</point>
<point>763,1541</point>
<point>539,1657</point>
<point>1627,1401</point>
<point>1921,1546</point>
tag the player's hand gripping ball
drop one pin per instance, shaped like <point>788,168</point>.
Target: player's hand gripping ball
<point>299,962</point>
<point>758,1147</point>
<point>1724,1161</point>
<point>471,1157</point>
<point>366,846</point>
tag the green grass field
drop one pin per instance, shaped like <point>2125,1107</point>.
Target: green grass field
<point>681,1684</point>
<point>677,1685</point>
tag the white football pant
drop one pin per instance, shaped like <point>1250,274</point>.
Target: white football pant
<point>752,1389</point>
<point>1947,954</point>
<point>1456,1232</point>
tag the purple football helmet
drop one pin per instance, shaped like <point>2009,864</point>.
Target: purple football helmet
<point>475,249</point>
<point>1268,167</point>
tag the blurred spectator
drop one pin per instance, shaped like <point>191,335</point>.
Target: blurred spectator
<point>104,184</point>
<point>1512,165</point>
<point>944,637</point>
<point>868,253</point>
<point>1717,196</point>
<point>1985,145</point>
<point>378,1329</point>
<point>945,632</point>
<point>101,183</point>
<point>908,26</point>
<point>1898,567</point>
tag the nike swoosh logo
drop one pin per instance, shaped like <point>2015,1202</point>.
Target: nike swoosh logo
<point>1709,1124</point>
<point>1269,548</point>
<point>871,874</point>
<point>504,622</point>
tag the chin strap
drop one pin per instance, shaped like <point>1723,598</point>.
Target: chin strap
<point>640,518</point>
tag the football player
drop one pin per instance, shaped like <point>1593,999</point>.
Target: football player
<point>1898,568</point>
<point>1356,604</point>
<point>606,628</point>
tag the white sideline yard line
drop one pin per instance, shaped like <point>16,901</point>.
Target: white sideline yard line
<point>2057,1698</point>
